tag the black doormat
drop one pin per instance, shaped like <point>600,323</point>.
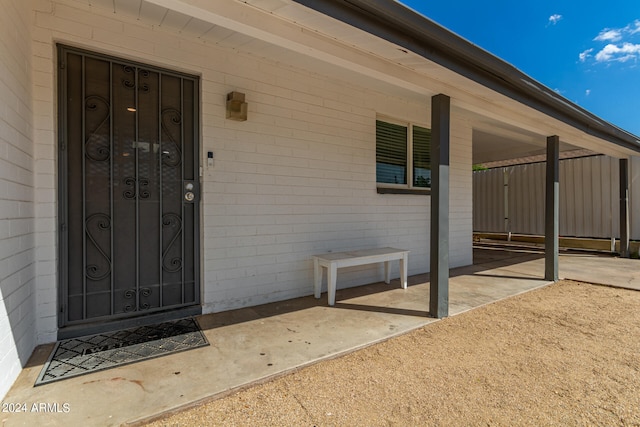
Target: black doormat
<point>83,355</point>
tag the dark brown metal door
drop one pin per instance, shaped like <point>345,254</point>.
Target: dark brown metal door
<point>129,188</point>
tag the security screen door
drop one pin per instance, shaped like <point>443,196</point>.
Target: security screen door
<point>129,188</point>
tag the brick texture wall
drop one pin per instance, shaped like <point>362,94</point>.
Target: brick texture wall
<point>17,251</point>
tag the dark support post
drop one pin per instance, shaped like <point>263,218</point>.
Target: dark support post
<point>439,286</point>
<point>624,208</point>
<point>551,208</point>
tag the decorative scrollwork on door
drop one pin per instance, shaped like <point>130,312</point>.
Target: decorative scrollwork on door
<point>171,152</point>
<point>131,84</point>
<point>143,86</point>
<point>136,186</point>
<point>129,193</point>
<point>144,292</point>
<point>130,294</point>
<point>97,145</point>
<point>95,224</point>
<point>143,184</point>
<point>172,265</point>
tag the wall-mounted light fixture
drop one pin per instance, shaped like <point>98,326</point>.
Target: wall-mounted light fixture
<point>236,107</point>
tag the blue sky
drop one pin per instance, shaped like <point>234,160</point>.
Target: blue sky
<point>588,51</point>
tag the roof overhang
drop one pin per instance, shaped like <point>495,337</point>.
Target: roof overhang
<point>400,25</point>
<point>384,46</point>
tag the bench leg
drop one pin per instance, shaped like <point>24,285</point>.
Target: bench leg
<point>332,271</point>
<point>317,278</point>
<point>387,272</point>
<point>403,271</point>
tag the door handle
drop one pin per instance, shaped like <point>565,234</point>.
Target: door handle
<point>189,191</point>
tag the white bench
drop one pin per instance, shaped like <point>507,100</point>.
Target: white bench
<point>334,260</point>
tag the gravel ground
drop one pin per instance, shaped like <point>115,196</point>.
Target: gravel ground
<point>567,354</point>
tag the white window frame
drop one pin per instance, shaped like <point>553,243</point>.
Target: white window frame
<point>409,166</point>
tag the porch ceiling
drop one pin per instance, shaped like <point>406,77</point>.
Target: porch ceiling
<point>497,141</point>
<point>273,29</point>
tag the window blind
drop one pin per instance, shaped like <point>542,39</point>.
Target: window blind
<point>391,153</point>
<point>421,157</point>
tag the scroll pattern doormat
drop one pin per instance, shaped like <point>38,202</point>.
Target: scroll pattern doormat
<point>83,355</point>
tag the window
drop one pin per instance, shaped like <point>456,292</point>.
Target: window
<point>402,155</point>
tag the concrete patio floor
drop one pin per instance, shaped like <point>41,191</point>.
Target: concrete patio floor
<point>255,344</point>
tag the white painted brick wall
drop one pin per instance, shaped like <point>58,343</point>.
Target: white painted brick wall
<point>297,178</point>
<point>17,251</point>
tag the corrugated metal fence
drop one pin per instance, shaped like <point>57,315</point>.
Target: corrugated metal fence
<point>589,198</point>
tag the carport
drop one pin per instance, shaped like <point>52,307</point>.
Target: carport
<point>525,119</point>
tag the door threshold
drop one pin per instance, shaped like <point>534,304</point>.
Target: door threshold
<point>109,326</point>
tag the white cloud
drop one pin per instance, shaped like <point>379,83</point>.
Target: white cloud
<point>586,54</point>
<point>587,92</point>
<point>619,48</point>
<point>623,53</point>
<point>608,35</point>
<point>553,19</point>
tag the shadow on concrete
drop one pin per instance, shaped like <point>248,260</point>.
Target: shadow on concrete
<point>486,257</point>
<point>380,309</point>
